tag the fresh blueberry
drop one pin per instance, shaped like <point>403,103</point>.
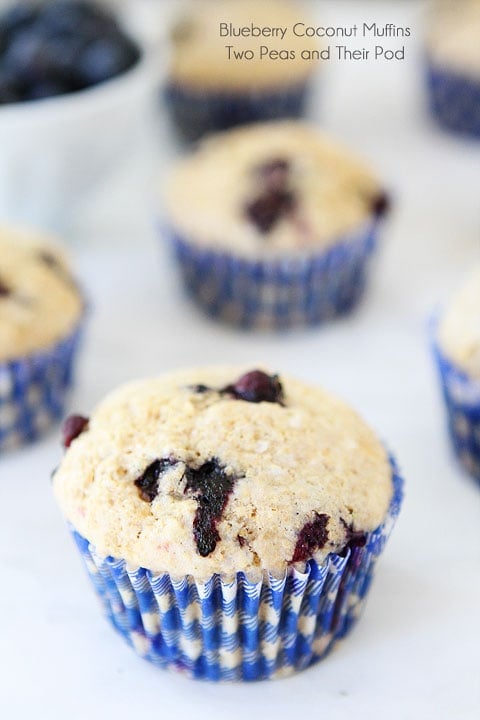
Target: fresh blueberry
<point>59,47</point>
<point>105,58</point>
<point>10,90</point>
<point>19,16</point>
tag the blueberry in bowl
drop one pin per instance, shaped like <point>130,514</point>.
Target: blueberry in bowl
<point>60,47</point>
<point>75,95</point>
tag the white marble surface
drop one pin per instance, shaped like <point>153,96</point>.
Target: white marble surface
<point>415,653</point>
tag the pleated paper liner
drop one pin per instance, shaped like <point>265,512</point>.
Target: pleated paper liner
<point>461,394</point>
<point>277,293</point>
<point>34,390</point>
<point>239,629</point>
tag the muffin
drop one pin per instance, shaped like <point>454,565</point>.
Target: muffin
<point>217,79</point>
<point>41,311</point>
<point>230,521</point>
<point>457,352</point>
<point>273,225</point>
<point>453,65</point>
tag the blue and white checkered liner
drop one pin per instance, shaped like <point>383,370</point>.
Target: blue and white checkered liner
<point>462,398</point>
<point>277,293</point>
<point>454,100</point>
<point>33,391</point>
<point>238,629</point>
<point>195,114</point>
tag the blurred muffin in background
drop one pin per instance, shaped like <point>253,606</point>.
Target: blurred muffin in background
<point>457,352</point>
<point>453,65</point>
<point>274,225</point>
<point>41,310</point>
<point>207,90</point>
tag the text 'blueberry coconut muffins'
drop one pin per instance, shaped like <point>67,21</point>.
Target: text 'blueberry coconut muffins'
<point>230,520</point>
<point>218,79</point>
<point>41,313</point>
<point>457,352</point>
<point>453,65</point>
<point>274,225</point>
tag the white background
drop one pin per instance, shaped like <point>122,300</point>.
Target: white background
<point>415,653</point>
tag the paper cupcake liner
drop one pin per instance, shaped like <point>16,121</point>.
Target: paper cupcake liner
<point>277,293</point>
<point>454,100</point>
<point>33,391</point>
<point>238,629</point>
<point>462,399</point>
<point>195,114</point>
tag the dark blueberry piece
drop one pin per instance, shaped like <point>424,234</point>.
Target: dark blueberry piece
<point>256,386</point>
<point>73,426</point>
<point>211,487</point>
<point>147,483</point>
<point>4,289</point>
<point>200,388</point>
<point>381,204</point>
<point>312,537</point>
<point>267,209</point>
<point>354,538</point>
<point>275,173</point>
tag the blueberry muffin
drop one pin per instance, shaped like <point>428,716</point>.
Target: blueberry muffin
<point>217,80</point>
<point>274,225</point>
<point>457,351</point>
<point>40,315</point>
<point>230,520</point>
<point>453,65</point>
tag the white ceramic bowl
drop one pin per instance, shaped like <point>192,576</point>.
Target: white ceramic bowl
<point>56,151</point>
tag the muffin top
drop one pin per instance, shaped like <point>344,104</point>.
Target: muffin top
<point>199,56</point>
<point>459,330</point>
<point>39,301</point>
<point>220,470</point>
<point>453,36</point>
<point>271,189</point>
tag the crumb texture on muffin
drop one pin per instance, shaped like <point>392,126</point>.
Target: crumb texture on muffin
<point>39,301</point>
<point>284,187</point>
<point>453,37</point>
<point>200,60</point>
<point>192,473</point>
<point>459,330</point>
